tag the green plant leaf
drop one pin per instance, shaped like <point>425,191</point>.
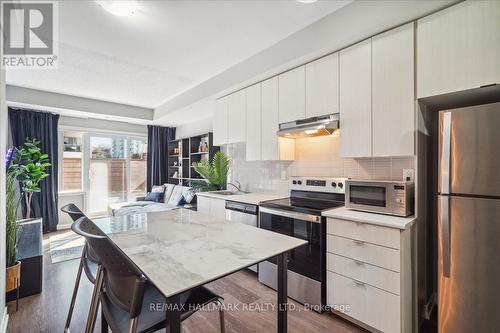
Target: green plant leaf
<point>215,172</point>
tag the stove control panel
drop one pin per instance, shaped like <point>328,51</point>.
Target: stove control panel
<point>318,184</point>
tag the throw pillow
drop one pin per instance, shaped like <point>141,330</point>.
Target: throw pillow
<point>154,196</point>
<point>168,192</point>
<point>176,197</point>
<point>158,188</point>
<point>188,195</point>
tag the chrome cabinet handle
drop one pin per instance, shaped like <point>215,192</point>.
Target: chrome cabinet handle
<point>445,154</point>
<point>358,242</point>
<point>445,235</point>
<point>359,283</point>
<point>360,263</point>
<point>293,215</point>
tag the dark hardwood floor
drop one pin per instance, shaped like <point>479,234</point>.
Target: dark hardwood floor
<point>47,312</point>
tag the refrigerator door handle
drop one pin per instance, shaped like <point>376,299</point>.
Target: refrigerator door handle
<point>445,235</point>
<point>445,154</point>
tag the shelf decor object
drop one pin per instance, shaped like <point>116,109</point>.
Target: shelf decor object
<point>183,153</point>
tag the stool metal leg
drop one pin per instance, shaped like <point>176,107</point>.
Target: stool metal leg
<point>17,297</point>
<point>221,317</point>
<point>94,303</point>
<point>75,292</point>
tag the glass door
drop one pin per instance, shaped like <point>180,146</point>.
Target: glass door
<point>108,172</point>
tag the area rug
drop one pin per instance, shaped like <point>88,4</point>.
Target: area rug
<point>65,246</point>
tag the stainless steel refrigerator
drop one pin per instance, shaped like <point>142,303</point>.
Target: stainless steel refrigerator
<point>469,220</point>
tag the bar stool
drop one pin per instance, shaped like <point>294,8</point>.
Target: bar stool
<point>125,294</point>
<point>88,262</point>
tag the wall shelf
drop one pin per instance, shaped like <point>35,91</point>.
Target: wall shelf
<point>186,153</point>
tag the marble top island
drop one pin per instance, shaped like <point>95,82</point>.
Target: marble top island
<point>182,249</point>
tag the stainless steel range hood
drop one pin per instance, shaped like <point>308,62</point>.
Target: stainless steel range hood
<point>315,126</point>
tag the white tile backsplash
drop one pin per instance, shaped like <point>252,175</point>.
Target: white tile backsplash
<point>314,157</point>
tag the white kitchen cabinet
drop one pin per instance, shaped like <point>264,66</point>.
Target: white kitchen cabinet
<point>218,208</point>
<point>292,95</point>
<point>236,117</point>
<point>356,100</point>
<point>220,122</point>
<point>369,267</point>
<point>253,123</point>
<point>393,101</point>
<point>322,86</point>
<point>211,206</point>
<point>203,204</point>
<point>270,119</point>
<point>458,48</point>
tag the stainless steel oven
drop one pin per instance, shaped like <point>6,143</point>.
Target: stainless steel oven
<point>385,197</point>
<point>306,264</point>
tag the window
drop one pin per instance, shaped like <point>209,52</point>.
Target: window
<point>115,168</point>
<point>138,165</point>
<point>72,162</point>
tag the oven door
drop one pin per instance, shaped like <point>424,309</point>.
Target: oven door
<point>369,196</point>
<point>308,259</point>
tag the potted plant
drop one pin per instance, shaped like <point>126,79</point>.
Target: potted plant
<point>29,164</point>
<point>13,200</point>
<point>26,167</point>
<point>214,172</point>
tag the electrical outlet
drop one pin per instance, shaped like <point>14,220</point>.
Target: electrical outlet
<point>408,174</point>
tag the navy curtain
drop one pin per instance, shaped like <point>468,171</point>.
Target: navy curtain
<point>158,139</point>
<point>43,127</point>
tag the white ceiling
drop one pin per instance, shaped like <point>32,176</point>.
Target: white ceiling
<point>166,48</point>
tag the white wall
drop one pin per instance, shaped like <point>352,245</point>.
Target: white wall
<point>194,128</point>
<point>3,148</point>
<point>105,125</point>
<point>315,157</point>
<point>329,34</point>
<point>67,105</point>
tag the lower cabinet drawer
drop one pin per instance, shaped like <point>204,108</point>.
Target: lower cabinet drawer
<point>369,305</point>
<point>369,274</point>
<point>373,254</point>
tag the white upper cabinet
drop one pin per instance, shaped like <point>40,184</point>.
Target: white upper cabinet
<point>236,110</point>
<point>356,100</point>
<point>270,119</point>
<point>253,123</point>
<point>393,102</point>
<point>322,86</point>
<point>458,48</point>
<point>292,99</point>
<point>220,122</point>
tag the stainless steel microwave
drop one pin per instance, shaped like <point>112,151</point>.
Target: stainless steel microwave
<point>384,197</point>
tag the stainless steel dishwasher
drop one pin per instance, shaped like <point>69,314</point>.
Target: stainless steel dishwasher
<point>243,213</point>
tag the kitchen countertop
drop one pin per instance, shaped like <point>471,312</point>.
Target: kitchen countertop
<point>181,249</point>
<point>371,218</point>
<point>253,198</point>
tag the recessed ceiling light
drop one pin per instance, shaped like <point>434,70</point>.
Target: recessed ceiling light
<point>307,1</point>
<point>118,7</point>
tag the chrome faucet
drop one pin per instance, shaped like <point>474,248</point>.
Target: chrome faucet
<point>237,187</point>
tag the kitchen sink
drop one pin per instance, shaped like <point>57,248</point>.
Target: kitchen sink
<point>230,192</point>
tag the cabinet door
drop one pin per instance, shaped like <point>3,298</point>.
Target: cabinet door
<point>292,95</point>
<point>236,110</point>
<point>356,101</point>
<point>203,205</point>
<point>220,122</point>
<point>322,86</point>
<point>253,123</point>
<point>218,208</point>
<point>270,119</point>
<point>458,48</point>
<point>393,102</point>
